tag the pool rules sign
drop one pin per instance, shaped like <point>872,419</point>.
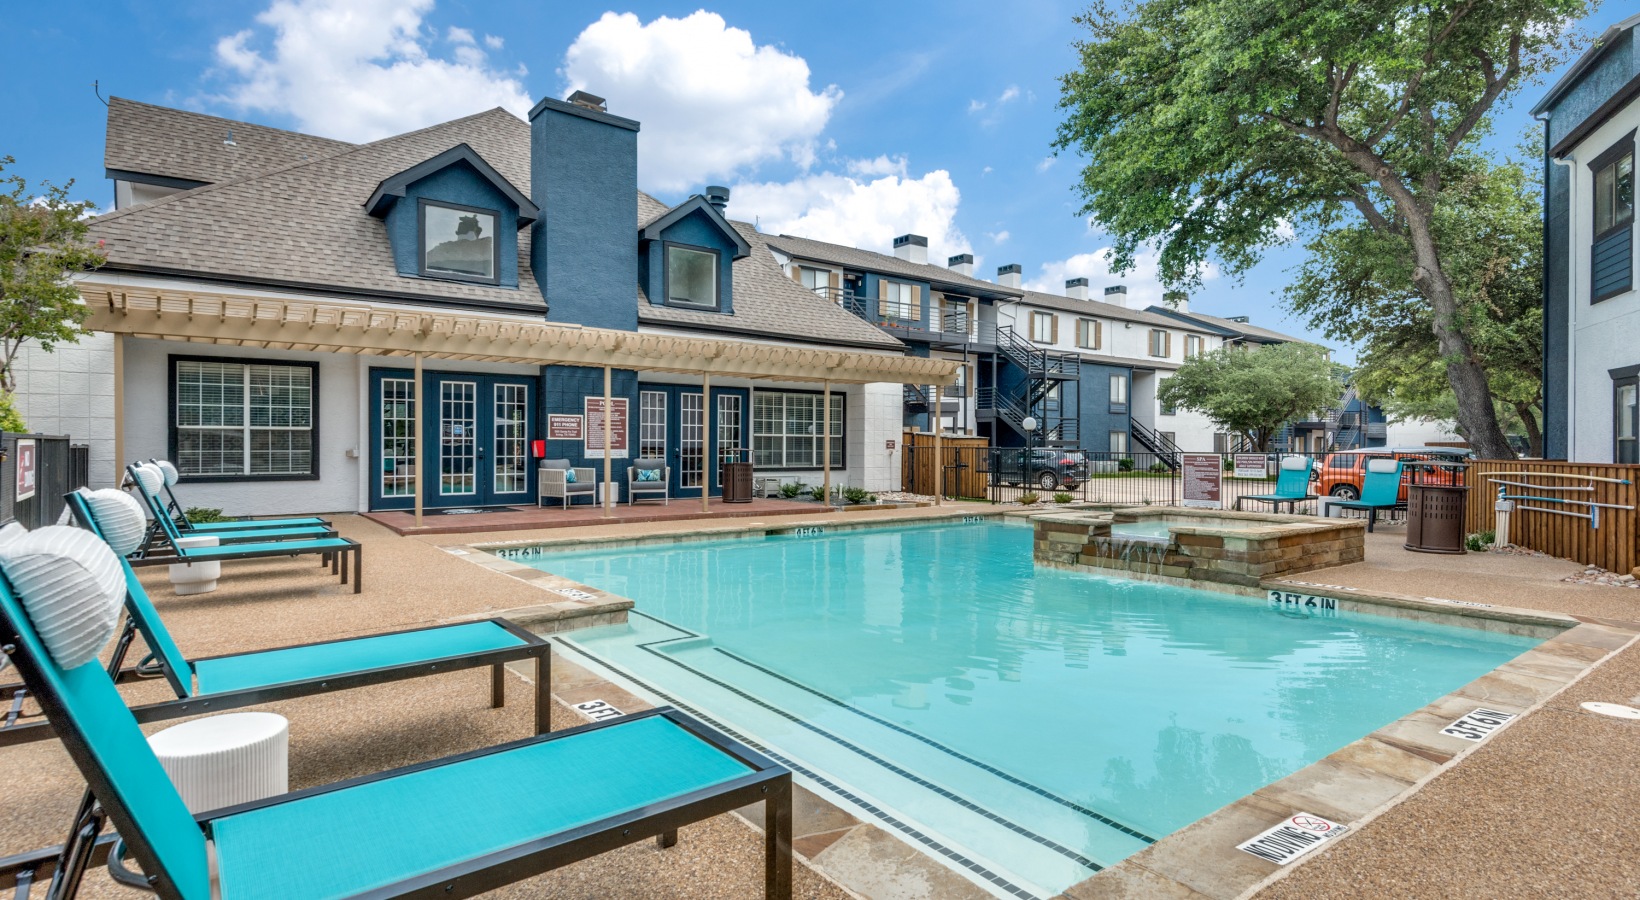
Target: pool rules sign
<point>1203,477</point>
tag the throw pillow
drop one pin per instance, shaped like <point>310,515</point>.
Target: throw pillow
<point>119,518</point>
<point>649,474</point>
<point>569,476</point>
<point>71,586</point>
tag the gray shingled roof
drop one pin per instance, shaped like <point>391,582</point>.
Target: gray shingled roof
<point>175,143</point>
<point>1101,309</point>
<point>767,301</point>
<point>305,225</point>
<point>855,258</point>
<point>1243,328</point>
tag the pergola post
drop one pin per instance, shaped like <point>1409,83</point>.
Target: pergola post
<point>119,408</point>
<point>939,457</point>
<point>825,444</point>
<point>609,430</point>
<point>421,449</point>
<point>707,444</point>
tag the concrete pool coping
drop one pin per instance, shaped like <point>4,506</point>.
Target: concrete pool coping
<point>1354,785</point>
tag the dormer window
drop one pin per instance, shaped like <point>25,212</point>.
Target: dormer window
<point>459,242</point>
<point>691,276</point>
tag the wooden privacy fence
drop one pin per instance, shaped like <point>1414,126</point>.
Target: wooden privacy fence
<point>963,461</point>
<point>1614,546</point>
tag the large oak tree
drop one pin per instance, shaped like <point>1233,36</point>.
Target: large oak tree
<point>1215,127</point>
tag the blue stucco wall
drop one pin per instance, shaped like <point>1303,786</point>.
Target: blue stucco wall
<point>873,289</point>
<point>460,184</point>
<point>699,230</point>
<point>563,390</point>
<point>1095,418</point>
<point>584,249</point>
<point>1617,65</point>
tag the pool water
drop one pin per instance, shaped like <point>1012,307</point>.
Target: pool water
<point>1030,725</point>
<point>1157,529</point>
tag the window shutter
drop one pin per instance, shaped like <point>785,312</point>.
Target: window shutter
<point>1098,334</point>
<point>1053,331</point>
<point>882,298</point>
<point>916,303</point>
<point>1167,344</point>
<point>833,280</point>
<point>797,274</point>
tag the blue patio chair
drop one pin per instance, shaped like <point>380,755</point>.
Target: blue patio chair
<point>1292,485</point>
<point>151,478</point>
<point>283,673</point>
<point>333,551</point>
<point>1380,489</point>
<point>453,827</point>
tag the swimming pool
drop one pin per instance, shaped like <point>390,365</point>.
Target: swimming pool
<point>1030,725</point>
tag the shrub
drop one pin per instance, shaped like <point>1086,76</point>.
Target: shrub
<point>1480,541</point>
<point>1028,498</point>
<point>818,492</point>
<point>1062,497</point>
<point>204,515</point>
<point>790,490</point>
<point>1124,465</point>
<point>1158,466</point>
<point>858,495</point>
<point>10,419</point>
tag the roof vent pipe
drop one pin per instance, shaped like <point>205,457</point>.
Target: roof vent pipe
<point>1116,295</point>
<point>718,196</point>
<point>1011,275</point>
<point>912,248</point>
<point>1077,288</point>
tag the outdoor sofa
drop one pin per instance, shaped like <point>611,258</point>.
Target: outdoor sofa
<point>640,486</point>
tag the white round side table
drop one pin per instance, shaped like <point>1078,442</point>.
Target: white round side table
<point>227,759</point>
<point>199,577</point>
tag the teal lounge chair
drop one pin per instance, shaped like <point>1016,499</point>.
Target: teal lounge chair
<point>1292,485</point>
<point>282,673</point>
<point>453,827</point>
<point>150,479</point>
<point>1380,489</point>
<point>170,475</point>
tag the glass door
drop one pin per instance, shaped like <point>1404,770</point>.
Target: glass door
<point>509,429</point>
<point>691,452</point>
<point>458,450</point>
<point>476,432</point>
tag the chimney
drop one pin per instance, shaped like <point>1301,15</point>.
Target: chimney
<point>1179,300</point>
<point>1077,289</point>
<point>584,167</point>
<point>1010,275</point>
<point>912,248</point>
<point>718,196</point>
<point>962,264</point>
<point>1117,295</point>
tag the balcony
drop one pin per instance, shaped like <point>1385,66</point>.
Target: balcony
<point>904,320</point>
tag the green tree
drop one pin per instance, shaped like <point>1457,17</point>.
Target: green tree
<point>1255,392</point>
<point>1357,286</point>
<point>1215,127</point>
<point>42,245</point>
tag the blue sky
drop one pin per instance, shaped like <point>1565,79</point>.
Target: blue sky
<point>845,121</point>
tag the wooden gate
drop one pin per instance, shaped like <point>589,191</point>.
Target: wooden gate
<point>964,459</point>
<point>1614,546</point>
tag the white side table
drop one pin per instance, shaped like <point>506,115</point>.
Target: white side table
<point>1324,505</point>
<point>199,577</point>
<point>600,493</point>
<point>223,760</point>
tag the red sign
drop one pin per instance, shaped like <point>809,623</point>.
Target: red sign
<point>564,428</point>
<point>26,460</point>
<point>595,427</point>
<point>1203,479</point>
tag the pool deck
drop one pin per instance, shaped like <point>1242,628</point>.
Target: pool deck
<point>1542,808</point>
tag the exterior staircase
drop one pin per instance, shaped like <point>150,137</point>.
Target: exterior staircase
<point>1167,452</point>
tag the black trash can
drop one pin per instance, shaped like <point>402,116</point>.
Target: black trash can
<point>737,482</point>
<point>1437,503</point>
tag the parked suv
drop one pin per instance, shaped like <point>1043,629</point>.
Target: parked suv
<point>1049,469</point>
<point>1340,474</point>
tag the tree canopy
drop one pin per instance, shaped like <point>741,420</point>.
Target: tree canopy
<point>1215,128</point>
<point>42,244</point>
<point>1255,392</point>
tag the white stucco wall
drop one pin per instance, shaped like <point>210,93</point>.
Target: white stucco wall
<point>71,391</point>
<point>1605,335</point>
<point>1419,432</point>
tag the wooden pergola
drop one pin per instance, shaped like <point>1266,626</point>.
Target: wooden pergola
<point>418,334</point>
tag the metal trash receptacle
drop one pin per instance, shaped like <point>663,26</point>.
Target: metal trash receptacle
<point>737,482</point>
<point>1437,503</point>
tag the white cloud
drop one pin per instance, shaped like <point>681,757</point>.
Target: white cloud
<point>494,42</point>
<point>998,237</point>
<point>986,171</point>
<point>1010,93</point>
<point>711,101</point>
<point>1144,287</point>
<point>359,69</point>
<point>975,106</point>
<point>1046,163</point>
<point>882,165</point>
<point>857,212</point>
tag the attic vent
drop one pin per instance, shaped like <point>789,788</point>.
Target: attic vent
<point>588,101</point>
<point>229,141</point>
<point>1242,319</point>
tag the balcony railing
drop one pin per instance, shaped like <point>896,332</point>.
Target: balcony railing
<point>905,316</point>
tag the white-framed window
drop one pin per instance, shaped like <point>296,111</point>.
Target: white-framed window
<point>1118,442</point>
<point>1626,420</point>
<point>1611,250</point>
<point>786,430</point>
<point>817,280</point>
<point>244,420</point>
<point>1161,343</point>
<point>651,424</point>
<point>899,300</point>
<point>459,242</point>
<point>398,437</point>
<point>1044,327</point>
<point>1088,334</point>
<point>1118,390</point>
<point>1192,346</point>
<point>691,276</point>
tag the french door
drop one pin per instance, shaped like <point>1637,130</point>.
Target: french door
<point>476,431</point>
<point>674,422</point>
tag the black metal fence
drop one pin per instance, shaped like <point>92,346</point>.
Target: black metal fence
<point>36,470</point>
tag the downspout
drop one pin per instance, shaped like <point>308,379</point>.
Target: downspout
<point>1570,162</point>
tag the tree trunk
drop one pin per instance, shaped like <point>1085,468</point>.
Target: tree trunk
<point>1534,436</point>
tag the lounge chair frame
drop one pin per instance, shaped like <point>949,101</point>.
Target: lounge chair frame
<point>1292,501</point>
<point>156,543</point>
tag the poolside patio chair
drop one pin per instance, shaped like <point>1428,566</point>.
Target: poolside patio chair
<point>453,827</point>
<point>647,479</point>
<point>559,479</point>
<point>170,474</point>
<point>282,673</point>
<point>149,479</point>
<point>1292,485</point>
<point>1380,489</point>
<point>333,551</point>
